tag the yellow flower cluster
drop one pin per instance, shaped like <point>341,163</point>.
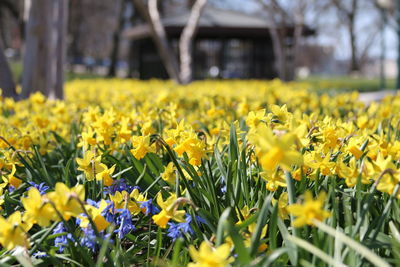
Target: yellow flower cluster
<point>61,204</point>
<point>287,131</point>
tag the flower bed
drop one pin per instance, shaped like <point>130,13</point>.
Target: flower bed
<point>217,172</point>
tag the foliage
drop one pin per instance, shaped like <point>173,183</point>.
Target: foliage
<point>239,173</point>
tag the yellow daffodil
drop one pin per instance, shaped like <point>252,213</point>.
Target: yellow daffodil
<point>95,215</point>
<point>141,146</point>
<point>283,203</point>
<point>13,231</point>
<point>209,256</point>
<point>309,210</point>
<point>105,174</point>
<point>275,151</point>
<point>169,174</point>
<point>169,210</point>
<point>275,179</point>
<point>90,165</point>
<point>255,118</point>
<point>67,200</point>
<point>37,208</point>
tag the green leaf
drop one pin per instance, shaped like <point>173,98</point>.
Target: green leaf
<point>261,223</point>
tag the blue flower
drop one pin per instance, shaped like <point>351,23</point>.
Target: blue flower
<point>223,188</point>
<point>78,219</point>
<point>176,230</point>
<point>89,238</point>
<point>124,221</point>
<point>61,241</point>
<point>150,208</point>
<point>200,220</point>
<point>93,203</point>
<point>109,212</point>
<point>119,186</point>
<point>40,254</point>
<point>42,187</point>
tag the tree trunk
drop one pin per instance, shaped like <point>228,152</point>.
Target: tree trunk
<point>277,46</point>
<point>354,67</point>
<point>75,19</point>
<point>298,34</point>
<point>152,17</point>
<point>186,41</point>
<point>354,64</point>
<point>7,84</point>
<point>45,48</point>
<point>61,50</point>
<point>112,71</point>
<point>3,34</point>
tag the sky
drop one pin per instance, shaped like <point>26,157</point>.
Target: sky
<point>333,35</point>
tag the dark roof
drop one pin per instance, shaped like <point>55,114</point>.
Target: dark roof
<point>213,22</point>
<point>214,17</point>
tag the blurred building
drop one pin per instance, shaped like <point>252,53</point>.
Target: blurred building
<point>228,44</point>
<point>373,68</point>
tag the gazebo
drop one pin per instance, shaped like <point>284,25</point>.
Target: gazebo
<point>228,44</point>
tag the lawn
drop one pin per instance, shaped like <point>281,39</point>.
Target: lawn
<point>347,84</point>
<point>215,173</point>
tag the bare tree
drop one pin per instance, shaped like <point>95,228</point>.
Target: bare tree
<point>152,16</point>
<point>286,30</point>
<point>14,8</point>
<point>186,41</point>
<point>349,15</point>
<point>182,74</point>
<point>7,84</point>
<point>45,48</point>
<point>112,71</point>
<point>361,33</point>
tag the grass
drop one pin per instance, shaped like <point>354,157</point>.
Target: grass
<point>347,83</point>
<point>17,70</point>
<point>340,84</point>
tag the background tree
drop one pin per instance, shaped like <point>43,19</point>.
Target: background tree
<point>361,36</point>
<point>14,8</point>
<point>92,28</point>
<point>348,11</point>
<point>45,48</point>
<point>151,14</point>
<point>112,71</point>
<point>7,84</point>
<point>186,41</point>
<point>287,23</point>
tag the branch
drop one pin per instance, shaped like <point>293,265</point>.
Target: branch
<point>13,10</point>
<point>187,38</point>
<point>275,8</point>
<point>368,44</point>
<point>152,16</point>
